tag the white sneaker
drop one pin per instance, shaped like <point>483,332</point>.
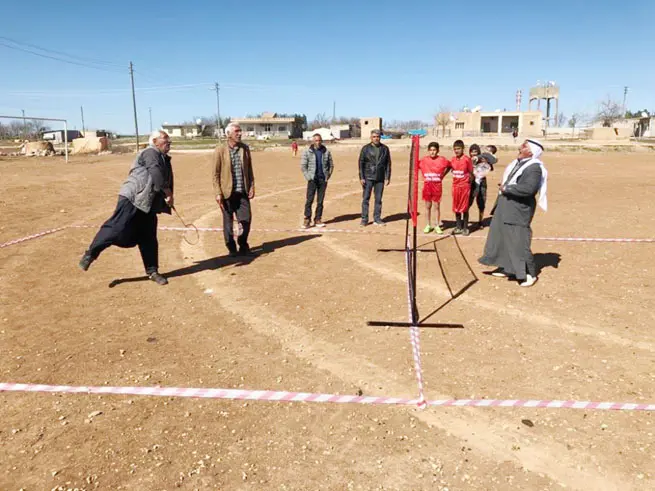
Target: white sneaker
<point>499,274</point>
<point>530,280</point>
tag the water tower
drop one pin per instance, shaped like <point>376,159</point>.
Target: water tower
<point>547,91</point>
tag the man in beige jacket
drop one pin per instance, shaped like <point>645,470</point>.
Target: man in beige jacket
<point>234,186</point>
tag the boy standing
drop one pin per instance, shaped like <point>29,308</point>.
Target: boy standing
<point>462,168</point>
<point>433,167</point>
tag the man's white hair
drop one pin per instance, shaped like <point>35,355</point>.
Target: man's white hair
<point>156,134</point>
<point>230,127</point>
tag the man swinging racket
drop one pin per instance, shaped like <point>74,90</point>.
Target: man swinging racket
<point>147,192</point>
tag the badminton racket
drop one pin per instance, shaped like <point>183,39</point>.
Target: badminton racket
<point>191,235</point>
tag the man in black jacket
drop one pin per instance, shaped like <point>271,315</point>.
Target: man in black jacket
<point>374,170</point>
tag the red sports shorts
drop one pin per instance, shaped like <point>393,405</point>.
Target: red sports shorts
<point>432,191</point>
<point>461,198</point>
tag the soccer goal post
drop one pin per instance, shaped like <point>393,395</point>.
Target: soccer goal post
<point>25,118</point>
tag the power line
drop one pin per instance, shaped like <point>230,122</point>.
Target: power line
<point>61,53</point>
<point>71,62</point>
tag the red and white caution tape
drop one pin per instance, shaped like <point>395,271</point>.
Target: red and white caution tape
<point>368,231</point>
<point>591,239</point>
<point>283,396</point>
<point>30,237</point>
<point>337,231</point>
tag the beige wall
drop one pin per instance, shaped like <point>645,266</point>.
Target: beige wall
<point>471,123</point>
<point>607,133</point>
<point>370,124</point>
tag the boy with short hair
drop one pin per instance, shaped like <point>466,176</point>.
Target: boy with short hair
<point>462,169</point>
<point>432,167</point>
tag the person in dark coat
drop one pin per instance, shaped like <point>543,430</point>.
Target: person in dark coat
<point>510,235</point>
<point>147,192</point>
<point>374,170</point>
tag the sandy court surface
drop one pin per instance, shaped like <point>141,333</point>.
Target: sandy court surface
<point>294,318</point>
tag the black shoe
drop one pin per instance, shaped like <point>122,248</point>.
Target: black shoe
<point>158,278</point>
<point>363,223</point>
<point>86,261</point>
<point>246,251</point>
<point>233,253</point>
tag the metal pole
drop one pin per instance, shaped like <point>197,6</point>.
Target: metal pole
<point>218,111</point>
<point>334,111</point>
<point>625,95</point>
<point>83,128</point>
<point>24,124</point>
<point>136,122</point>
<point>66,139</point>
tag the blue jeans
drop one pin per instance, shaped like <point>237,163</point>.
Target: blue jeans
<point>369,186</point>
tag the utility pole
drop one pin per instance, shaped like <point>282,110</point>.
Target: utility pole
<point>83,127</point>
<point>150,115</point>
<point>334,111</point>
<point>24,124</point>
<point>218,111</point>
<point>625,96</point>
<point>136,122</point>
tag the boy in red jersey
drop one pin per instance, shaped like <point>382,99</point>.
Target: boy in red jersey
<point>462,168</point>
<point>433,167</point>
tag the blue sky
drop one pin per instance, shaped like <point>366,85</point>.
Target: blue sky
<point>386,58</point>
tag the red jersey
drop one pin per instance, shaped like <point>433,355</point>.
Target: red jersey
<point>433,169</point>
<point>462,168</point>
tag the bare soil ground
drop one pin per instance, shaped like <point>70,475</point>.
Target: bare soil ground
<point>294,318</point>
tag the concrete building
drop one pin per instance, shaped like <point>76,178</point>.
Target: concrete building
<point>269,125</point>
<point>369,124</point>
<point>182,130</point>
<point>463,124</point>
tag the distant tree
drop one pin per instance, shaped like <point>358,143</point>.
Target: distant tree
<point>636,114</point>
<point>320,121</point>
<point>560,122</point>
<point>442,119</point>
<point>29,129</point>
<point>573,120</point>
<point>576,120</point>
<point>609,112</point>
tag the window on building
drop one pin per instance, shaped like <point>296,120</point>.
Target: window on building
<point>250,128</point>
<point>282,128</point>
<point>459,126</point>
<point>267,127</point>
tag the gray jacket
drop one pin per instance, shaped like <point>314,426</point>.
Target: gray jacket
<point>517,204</point>
<point>308,163</point>
<point>150,174</point>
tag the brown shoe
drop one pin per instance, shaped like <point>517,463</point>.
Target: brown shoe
<point>306,223</point>
<point>318,223</point>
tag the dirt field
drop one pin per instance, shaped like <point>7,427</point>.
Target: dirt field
<point>294,318</point>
